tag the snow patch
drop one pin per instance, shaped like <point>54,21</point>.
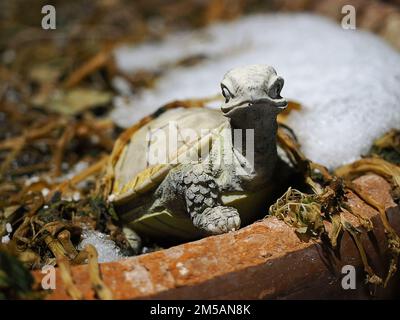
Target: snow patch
<point>7,238</point>
<point>106,248</point>
<point>348,81</point>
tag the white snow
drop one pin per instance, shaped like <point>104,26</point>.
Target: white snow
<point>31,180</point>
<point>9,227</point>
<point>106,248</point>
<point>76,169</point>
<point>348,81</point>
<point>76,196</point>
<point>7,238</point>
<point>45,192</point>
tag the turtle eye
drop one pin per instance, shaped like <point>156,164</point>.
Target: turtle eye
<point>226,93</point>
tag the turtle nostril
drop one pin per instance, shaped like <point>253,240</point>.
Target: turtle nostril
<point>274,92</point>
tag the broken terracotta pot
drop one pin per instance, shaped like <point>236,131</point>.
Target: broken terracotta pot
<point>262,261</point>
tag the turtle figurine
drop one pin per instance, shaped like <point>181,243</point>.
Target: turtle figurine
<point>192,172</point>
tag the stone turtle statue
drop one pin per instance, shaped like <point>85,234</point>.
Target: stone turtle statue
<point>209,182</point>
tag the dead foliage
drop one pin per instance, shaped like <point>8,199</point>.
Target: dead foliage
<point>320,212</point>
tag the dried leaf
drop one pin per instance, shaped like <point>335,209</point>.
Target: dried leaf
<point>74,101</point>
<point>336,230</point>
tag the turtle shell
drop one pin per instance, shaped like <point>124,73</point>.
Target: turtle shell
<point>175,136</point>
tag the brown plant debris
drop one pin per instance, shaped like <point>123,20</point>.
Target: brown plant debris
<point>388,147</point>
<point>101,290</point>
<point>306,212</point>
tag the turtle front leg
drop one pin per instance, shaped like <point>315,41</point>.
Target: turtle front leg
<point>216,220</point>
<point>202,198</point>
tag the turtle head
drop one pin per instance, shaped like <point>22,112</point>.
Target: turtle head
<point>251,87</point>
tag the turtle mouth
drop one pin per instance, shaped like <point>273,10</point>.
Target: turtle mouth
<point>278,104</point>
